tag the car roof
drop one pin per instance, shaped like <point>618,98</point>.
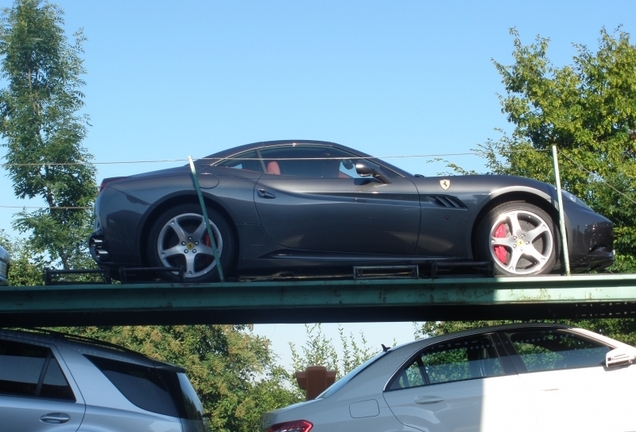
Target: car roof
<point>487,329</point>
<point>264,144</point>
<point>84,345</point>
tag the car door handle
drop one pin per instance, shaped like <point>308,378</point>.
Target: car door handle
<point>264,194</point>
<point>423,400</point>
<point>55,418</point>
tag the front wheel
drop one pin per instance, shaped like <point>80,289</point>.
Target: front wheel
<point>519,238</point>
<point>179,238</point>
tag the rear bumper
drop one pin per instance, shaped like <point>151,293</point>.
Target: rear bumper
<point>117,235</point>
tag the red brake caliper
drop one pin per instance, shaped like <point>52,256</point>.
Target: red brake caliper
<point>208,243</point>
<point>500,251</point>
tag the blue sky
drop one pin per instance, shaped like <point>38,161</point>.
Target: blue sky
<point>410,80</point>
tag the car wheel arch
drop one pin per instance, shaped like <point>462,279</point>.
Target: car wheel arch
<point>526,197</point>
<point>175,201</point>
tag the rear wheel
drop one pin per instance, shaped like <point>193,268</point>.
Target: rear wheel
<point>179,238</point>
<point>519,238</point>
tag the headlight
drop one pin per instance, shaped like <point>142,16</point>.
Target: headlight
<point>573,198</point>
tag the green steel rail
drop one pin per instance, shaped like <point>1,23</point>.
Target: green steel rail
<point>373,300</point>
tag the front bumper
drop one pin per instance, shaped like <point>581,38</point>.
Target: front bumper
<point>590,239</point>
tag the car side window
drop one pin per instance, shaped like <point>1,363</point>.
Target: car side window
<point>32,370</point>
<point>449,361</point>
<point>410,376</point>
<point>309,161</point>
<point>247,161</point>
<point>543,350</point>
<point>148,388</point>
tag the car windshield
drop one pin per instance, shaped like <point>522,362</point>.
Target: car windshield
<point>348,377</point>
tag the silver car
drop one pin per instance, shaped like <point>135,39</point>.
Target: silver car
<point>540,377</point>
<point>55,382</point>
<point>4,266</point>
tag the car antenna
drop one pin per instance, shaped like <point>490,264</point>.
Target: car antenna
<point>385,348</point>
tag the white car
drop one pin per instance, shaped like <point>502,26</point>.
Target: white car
<point>4,266</point>
<point>526,377</point>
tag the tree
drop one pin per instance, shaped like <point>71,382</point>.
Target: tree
<point>27,265</point>
<point>320,351</point>
<point>233,371</point>
<point>619,329</point>
<point>588,110</point>
<point>43,129</point>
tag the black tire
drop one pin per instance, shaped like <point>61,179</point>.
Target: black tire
<point>179,238</point>
<point>520,238</point>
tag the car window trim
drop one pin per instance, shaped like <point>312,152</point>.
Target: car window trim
<point>519,364</point>
<point>502,354</point>
<point>385,166</point>
<point>52,354</point>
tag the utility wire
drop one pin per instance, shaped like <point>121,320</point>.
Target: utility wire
<point>147,161</point>
<point>185,160</point>
<point>601,179</point>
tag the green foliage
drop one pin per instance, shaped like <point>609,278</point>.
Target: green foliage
<point>588,110</point>
<point>27,264</point>
<point>447,365</point>
<point>621,329</point>
<point>232,370</point>
<point>320,351</point>
<point>437,328</point>
<point>43,131</point>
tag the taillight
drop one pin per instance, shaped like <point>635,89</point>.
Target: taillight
<point>108,180</point>
<point>291,426</point>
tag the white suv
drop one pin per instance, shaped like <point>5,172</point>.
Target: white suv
<point>55,382</point>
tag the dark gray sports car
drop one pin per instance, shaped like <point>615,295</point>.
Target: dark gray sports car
<point>317,207</point>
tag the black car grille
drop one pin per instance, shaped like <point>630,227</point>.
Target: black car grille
<point>446,201</point>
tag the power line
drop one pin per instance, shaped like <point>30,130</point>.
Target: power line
<point>25,207</point>
<point>412,156</point>
<point>601,179</point>
<point>149,161</point>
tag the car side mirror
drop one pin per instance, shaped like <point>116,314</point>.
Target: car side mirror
<point>619,357</point>
<point>365,170</point>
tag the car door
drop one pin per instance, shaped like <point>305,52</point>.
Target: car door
<point>460,385</point>
<point>314,199</point>
<point>570,387</point>
<point>35,395</point>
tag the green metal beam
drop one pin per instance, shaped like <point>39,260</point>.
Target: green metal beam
<point>320,301</point>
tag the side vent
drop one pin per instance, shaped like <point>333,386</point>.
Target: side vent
<point>446,201</point>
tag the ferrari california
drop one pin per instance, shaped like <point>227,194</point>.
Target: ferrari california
<point>313,207</point>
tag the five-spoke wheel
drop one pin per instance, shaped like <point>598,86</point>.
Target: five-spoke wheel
<point>179,238</point>
<point>520,238</point>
